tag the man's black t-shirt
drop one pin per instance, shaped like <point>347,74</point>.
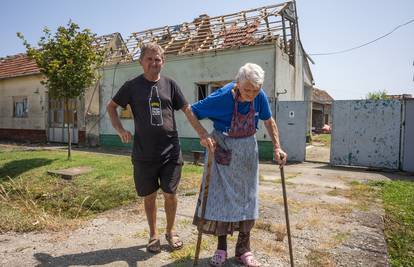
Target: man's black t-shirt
<point>153,105</point>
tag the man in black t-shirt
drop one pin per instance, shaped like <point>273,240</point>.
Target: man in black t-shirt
<point>156,152</point>
<point>156,155</point>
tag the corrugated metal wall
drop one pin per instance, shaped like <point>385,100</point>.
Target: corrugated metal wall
<point>366,133</point>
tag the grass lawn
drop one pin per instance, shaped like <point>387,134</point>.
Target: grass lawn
<point>398,199</point>
<point>30,199</point>
<point>322,138</point>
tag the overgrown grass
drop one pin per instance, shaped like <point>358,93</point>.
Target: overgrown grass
<point>322,138</point>
<point>398,199</point>
<point>30,199</point>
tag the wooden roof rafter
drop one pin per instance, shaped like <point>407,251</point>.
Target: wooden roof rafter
<point>245,28</point>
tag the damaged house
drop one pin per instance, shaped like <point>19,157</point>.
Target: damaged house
<point>206,53</point>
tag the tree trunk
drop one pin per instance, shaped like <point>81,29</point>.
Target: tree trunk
<point>69,137</point>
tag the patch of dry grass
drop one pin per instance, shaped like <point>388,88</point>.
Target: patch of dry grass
<point>278,230</point>
<point>143,234</point>
<point>187,253</point>
<point>335,240</point>
<point>319,258</point>
<point>314,221</point>
<point>268,248</point>
<point>362,195</point>
<point>336,209</point>
<point>182,223</point>
<point>21,212</point>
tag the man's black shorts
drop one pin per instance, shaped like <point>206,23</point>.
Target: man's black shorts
<point>150,176</point>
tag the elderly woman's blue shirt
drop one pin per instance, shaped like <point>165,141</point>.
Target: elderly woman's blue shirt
<point>219,106</point>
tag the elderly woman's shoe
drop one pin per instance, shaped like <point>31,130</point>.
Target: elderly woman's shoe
<point>248,260</point>
<point>219,258</point>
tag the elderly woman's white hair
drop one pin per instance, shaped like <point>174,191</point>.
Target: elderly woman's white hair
<point>252,73</point>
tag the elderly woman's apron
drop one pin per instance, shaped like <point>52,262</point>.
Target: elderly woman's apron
<point>232,195</point>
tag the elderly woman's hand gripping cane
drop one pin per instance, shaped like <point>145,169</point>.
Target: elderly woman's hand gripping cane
<point>280,157</point>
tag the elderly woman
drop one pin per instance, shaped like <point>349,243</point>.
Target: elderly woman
<point>232,203</point>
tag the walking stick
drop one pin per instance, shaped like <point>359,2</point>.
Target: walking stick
<point>282,174</point>
<point>203,207</point>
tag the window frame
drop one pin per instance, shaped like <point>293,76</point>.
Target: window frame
<point>25,102</point>
<point>210,87</point>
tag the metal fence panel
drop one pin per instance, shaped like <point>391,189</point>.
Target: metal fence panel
<point>408,143</point>
<point>366,133</point>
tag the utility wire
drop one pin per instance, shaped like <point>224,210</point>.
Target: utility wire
<point>362,45</point>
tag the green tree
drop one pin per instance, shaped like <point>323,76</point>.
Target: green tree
<point>69,62</point>
<point>377,95</point>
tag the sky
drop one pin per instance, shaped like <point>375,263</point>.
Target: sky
<point>325,26</point>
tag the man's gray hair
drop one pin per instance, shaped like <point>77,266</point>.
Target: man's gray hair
<point>252,73</point>
<point>151,47</point>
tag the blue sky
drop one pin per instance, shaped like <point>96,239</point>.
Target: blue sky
<point>325,26</point>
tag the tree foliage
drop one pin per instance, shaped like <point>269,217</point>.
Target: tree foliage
<point>377,95</point>
<point>68,60</point>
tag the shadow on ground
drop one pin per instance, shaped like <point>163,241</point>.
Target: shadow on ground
<point>132,256</point>
<point>17,167</point>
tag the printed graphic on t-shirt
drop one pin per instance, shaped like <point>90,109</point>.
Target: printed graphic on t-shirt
<point>155,107</point>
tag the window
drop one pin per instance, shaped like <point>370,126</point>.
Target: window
<point>202,91</point>
<point>205,89</point>
<point>20,106</point>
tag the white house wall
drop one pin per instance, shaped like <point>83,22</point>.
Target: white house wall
<point>204,68</point>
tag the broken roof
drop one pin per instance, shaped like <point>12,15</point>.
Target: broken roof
<point>246,28</point>
<point>321,96</point>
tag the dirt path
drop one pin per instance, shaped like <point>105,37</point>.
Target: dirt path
<point>330,226</point>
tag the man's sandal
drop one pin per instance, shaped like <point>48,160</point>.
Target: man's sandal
<point>219,258</point>
<point>248,260</point>
<point>154,246</point>
<point>174,241</point>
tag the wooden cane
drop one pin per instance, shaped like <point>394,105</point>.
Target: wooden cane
<point>203,207</point>
<point>282,174</point>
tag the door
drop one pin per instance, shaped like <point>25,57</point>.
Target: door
<point>291,117</point>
